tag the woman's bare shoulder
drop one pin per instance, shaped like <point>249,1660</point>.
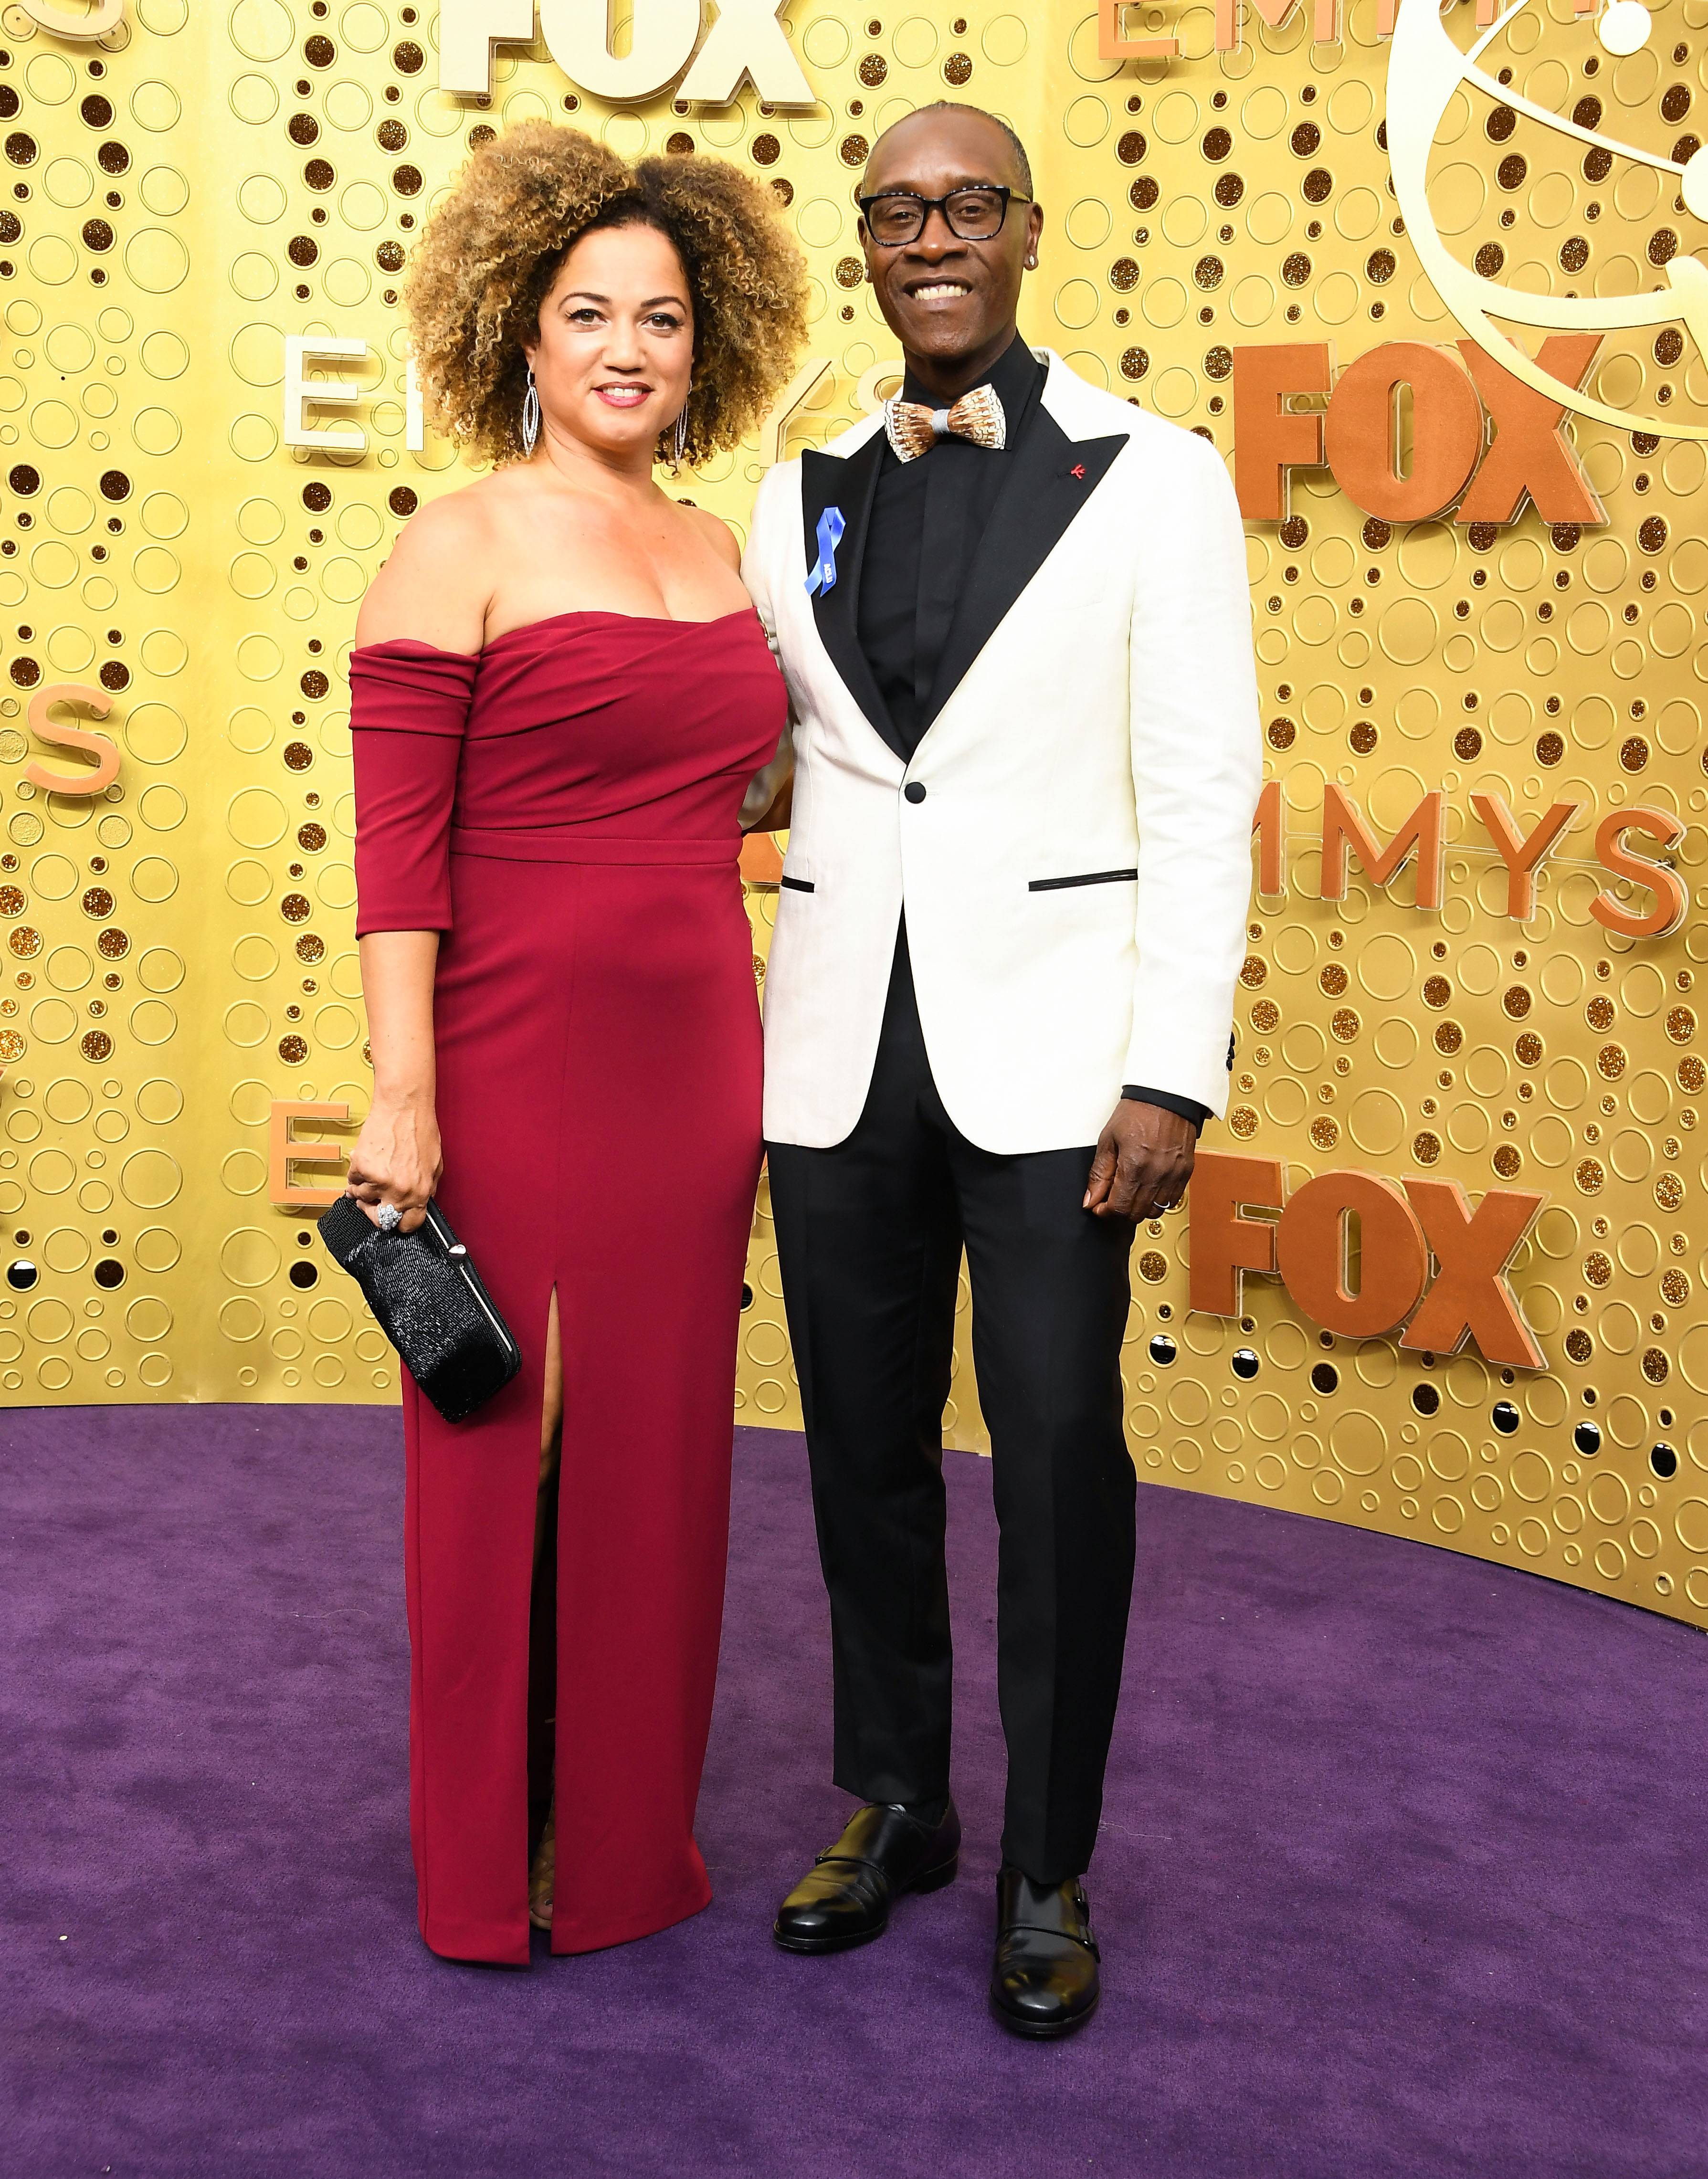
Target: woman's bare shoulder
<point>436,582</point>
<point>716,533</point>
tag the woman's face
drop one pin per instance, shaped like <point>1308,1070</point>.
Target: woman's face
<point>615,351</point>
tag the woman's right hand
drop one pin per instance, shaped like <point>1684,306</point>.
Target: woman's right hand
<point>397,1159</point>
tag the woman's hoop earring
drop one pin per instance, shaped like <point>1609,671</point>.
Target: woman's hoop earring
<point>678,440</point>
<point>530,413</point>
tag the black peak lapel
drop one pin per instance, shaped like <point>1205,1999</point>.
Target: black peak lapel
<point>1052,479</point>
<point>849,482</point>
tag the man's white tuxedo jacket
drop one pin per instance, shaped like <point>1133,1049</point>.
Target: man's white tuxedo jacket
<point>1076,872</point>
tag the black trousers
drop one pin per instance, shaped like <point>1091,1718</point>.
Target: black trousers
<point>870,1235</point>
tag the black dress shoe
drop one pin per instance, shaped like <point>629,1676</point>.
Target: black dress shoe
<point>846,1896</point>
<point>1044,1979</point>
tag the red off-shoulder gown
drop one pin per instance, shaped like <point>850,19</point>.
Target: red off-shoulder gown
<point>564,809</point>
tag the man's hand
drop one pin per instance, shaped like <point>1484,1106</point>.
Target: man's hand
<point>1143,1162</point>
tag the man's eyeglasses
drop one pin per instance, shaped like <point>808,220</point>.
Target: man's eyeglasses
<point>971,215</point>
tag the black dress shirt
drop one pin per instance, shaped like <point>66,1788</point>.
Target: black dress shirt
<point>927,517</point>
<point>926,521</point>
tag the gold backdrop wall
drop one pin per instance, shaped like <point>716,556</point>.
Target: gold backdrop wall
<point>186,193</point>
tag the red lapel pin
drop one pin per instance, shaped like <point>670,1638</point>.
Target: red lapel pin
<point>1077,470</point>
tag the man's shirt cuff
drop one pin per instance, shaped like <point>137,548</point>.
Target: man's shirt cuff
<point>1188,1108</point>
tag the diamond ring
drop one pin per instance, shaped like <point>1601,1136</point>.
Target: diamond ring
<point>388,1218</point>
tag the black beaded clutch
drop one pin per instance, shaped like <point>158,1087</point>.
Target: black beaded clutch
<point>429,1301</point>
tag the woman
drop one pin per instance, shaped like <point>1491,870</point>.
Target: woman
<point>560,697</point>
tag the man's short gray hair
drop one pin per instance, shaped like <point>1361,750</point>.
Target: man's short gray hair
<point>956,106</point>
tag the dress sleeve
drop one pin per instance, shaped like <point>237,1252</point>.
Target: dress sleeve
<point>408,709</point>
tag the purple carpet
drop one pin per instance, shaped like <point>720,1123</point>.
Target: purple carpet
<point>1403,1870</point>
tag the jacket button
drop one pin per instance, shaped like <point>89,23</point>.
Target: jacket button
<point>914,791</point>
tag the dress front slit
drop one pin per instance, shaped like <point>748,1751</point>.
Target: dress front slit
<point>596,1034</point>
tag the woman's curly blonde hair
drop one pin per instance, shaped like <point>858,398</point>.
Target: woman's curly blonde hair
<point>493,249</point>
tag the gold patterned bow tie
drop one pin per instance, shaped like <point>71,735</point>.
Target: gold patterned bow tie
<point>913,430</point>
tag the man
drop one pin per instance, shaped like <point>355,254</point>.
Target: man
<point>1013,614</point>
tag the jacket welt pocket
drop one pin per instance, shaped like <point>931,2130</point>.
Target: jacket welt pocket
<point>1088,878</point>
<point>801,885</point>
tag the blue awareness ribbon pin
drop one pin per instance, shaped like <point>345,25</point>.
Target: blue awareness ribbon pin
<point>831,527</point>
